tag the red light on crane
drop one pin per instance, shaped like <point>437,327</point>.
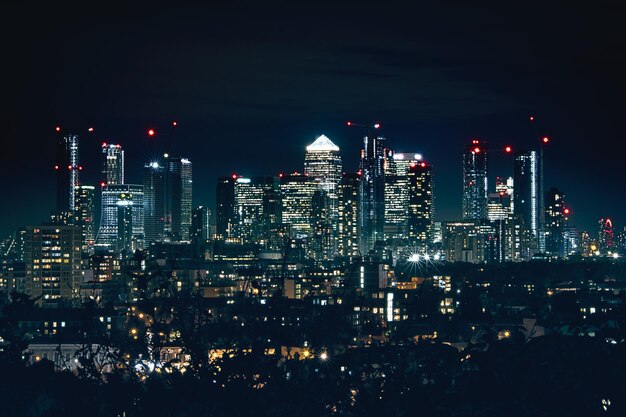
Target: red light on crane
<point>151,132</point>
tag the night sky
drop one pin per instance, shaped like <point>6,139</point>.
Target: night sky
<point>250,87</point>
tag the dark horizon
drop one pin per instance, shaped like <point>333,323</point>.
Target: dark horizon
<point>250,90</point>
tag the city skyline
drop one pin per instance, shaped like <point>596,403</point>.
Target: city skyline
<point>426,100</point>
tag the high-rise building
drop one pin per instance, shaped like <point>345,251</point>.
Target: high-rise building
<point>113,167</point>
<point>473,241</point>
<point>475,181</point>
<point>421,207</point>
<point>154,202</point>
<point>249,195</point>
<point>556,223</point>
<point>397,192</point>
<point>528,203</point>
<point>225,206</point>
<point>297,202</point>
<point>323,162</point>
<point>200,224</point>
<point>84,215</point>
<point>606,239</point>
<point>349,226</point>
<point>372,192</point>
<point>67,169</point>
<point>122,220</point>
<point>179,198</point>
<point>52,256</point>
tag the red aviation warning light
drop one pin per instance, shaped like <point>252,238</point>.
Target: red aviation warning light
<point>56,167</point>
<point>348,123</point>
<point>103,184</point>
<point>90,129</point>
<point>376,125</point>
<point>477,150</point>
<point>566,211</point>
<point>57,129</point>
<point>151,132</point>
<point>532,118</point>
<point>69,167</point>
<point>474,141</point>
<point>545,139</point>
<point>423,164</point>
<point>174,123</point>
<point>234,176</point>
<point>508,149</point>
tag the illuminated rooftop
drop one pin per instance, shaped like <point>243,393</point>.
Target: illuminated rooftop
<point>322,144</point>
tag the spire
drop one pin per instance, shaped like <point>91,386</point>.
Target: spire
<point>322,144</point>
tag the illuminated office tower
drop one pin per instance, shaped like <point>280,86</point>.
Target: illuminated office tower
<point>396,171</point>
<point>349,227</point>
<point>556,223</point>
<point>372,192</point>
<point>225,207</point>
<point>179,198</point>
<point>475,181</point>
<point>297,202</point>
<point>154,202</point>
<point>52,256</point>
<point>421,207</point>
<point>323,162</point>
<point>605,236</point>
<point>67,169</point>
<point>122,221</point>
<point>84,214</point>
<point>528,203</point>
<point>113,167</point>
<point>249,194</point>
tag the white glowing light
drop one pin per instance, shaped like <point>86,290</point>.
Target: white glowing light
<point>322,144</point>
<point>414,257</point>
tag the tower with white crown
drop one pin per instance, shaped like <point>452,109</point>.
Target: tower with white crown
<point>323,163</point>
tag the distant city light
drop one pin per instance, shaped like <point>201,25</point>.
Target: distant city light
<point>151,132</point>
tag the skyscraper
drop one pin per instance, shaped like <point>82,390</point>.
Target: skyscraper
<point>475,181</point>
<point>528,203</point>
<point>556,223</point>
<point>225,206</point>
<point>113,166</point>
<point>605,235</point>
<point>84,214</point>
<point>421,207</point>
<point>179,198</point>
<point>372,192</point>
<point>248,216</point>
<point>52,256</point>
<point>122,220</point>
<point>323,162</point>
<point>200,224</point>
<point>67,169</point>
<point>297,202</point>
<point>154,202</point>
<point>349,226</point>
<point>397,192</point>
